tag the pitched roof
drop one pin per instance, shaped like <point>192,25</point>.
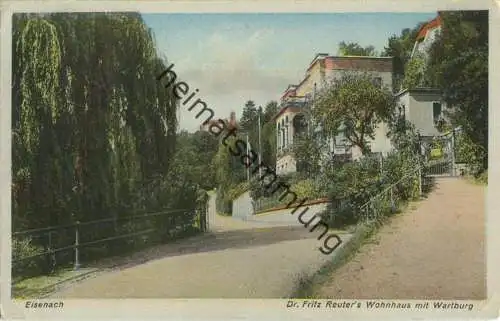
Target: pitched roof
<point>434,23</point>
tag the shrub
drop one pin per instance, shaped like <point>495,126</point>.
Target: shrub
<point>483,178</point>
<point>350,186</point>
<point>258,189</point>
<point>307,188</point>
<point>471,154</point>
<point>22,248</point>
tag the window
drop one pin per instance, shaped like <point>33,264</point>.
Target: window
<point>436,111</point>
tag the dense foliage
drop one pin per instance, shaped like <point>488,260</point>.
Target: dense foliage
<point>459,67</point>
<point>354,105</point>
<point>400,48</point>
<point>415,74</point>
<point>249,122</point>
<point>308,150</point>
<point>193,158</point>
<point>230,173</point>
<point>352,185</point>
<point>93,131</point>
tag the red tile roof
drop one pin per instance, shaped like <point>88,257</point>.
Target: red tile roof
<point>434,23</point>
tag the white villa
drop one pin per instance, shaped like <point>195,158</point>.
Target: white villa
<point>423,106</point>
<point>291,121</point>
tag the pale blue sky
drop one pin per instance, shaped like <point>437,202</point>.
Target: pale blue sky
<point>232,58</point>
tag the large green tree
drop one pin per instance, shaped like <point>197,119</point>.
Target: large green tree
<point>459,66</point>
<point>400,48</point>
<point>355,105</point>
<point>268,135</point>
<point>248,119</point>
<point>93,130</point>
<point>194,157</point>
<point>308,150</point>
<point>249,124</point>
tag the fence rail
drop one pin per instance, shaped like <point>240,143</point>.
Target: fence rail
<point>390,197</point>
<point>266,203</point>
<point>73,243</point>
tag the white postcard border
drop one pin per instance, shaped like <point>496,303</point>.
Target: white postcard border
<point>216,309</point>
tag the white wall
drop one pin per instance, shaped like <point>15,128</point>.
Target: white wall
<point>242,206</point>
<point>285,164</point>
<point>419,111</point>
<point>381,143</point>
<point>285,216</point>
<point>212,210</point>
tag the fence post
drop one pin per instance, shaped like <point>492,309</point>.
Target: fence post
<point>206,220</point>
<point>393,207</point>
<point>50,239</point>
<point>77,244</point>
<point>420,182</point>
<point>453,152</point>
<point>51,253</point>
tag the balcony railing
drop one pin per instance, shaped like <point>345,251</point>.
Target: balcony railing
<point>293,102</point>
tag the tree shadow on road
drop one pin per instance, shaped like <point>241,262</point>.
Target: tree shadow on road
<point>208,242</point>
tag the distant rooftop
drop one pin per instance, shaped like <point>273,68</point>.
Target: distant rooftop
<point>326,56</point>
<point>428,90</point>
<point>434,23</point>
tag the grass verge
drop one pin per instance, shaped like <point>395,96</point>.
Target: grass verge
<point>40,286</point>
<point>479,180</point>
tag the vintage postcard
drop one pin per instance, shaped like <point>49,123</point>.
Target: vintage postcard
<point>249,159</point>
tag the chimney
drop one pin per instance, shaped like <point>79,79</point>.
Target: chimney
<point>232,119</point>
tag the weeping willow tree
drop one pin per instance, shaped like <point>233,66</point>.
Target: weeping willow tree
<point>93,131</point>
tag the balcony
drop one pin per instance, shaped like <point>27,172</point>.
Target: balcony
<point>293,102</point>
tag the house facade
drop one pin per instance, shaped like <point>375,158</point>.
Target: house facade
<point>298,99</point>
<point>424,108</point>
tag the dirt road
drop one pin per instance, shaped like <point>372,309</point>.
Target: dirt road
<point>238,260</point>
<point>434,252</point>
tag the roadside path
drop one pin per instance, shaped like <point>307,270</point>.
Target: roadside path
<point>434,252</point>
